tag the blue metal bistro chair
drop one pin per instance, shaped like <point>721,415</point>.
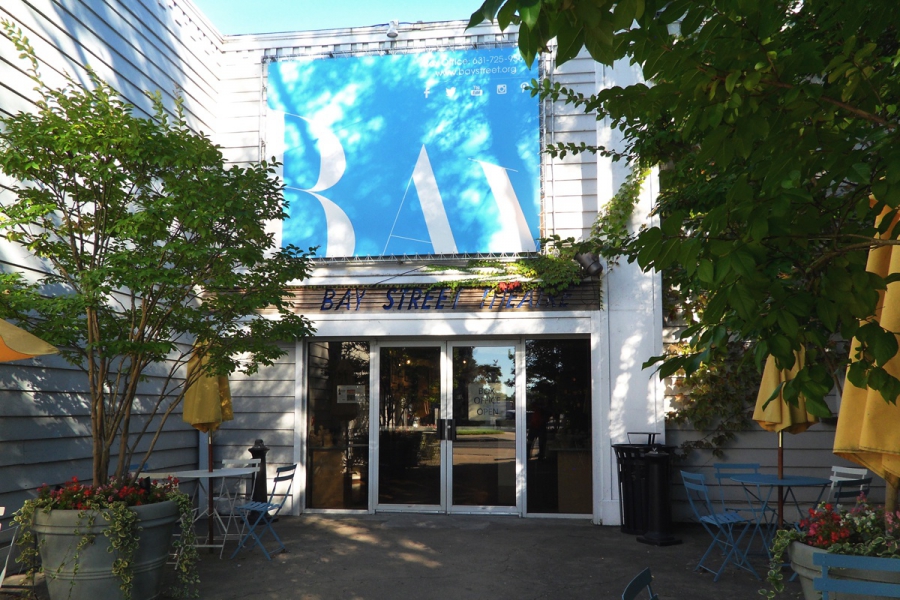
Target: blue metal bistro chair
<point>640,584</point>
<point>721,525</point>
<point>726,471</point>
<point>256,518</point>
<point>848,490</point>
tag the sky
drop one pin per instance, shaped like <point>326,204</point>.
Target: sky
<point>272,16</point>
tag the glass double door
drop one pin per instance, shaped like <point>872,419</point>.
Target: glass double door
<point>448,433</point>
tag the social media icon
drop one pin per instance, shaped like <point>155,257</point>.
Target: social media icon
<point>501,89</point>
<point>427,91</point>
<point>451,92</point>
<point>476,90</point>
<point>523,86</point>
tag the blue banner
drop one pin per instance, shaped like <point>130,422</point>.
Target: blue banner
<point>427,153</point>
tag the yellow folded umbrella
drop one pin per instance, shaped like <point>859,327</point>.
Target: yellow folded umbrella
<point>207,402</point>
<point>16,344</point>
<point>778,415</point>
<point>868,429</point>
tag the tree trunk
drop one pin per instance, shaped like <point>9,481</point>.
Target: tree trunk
<point>890,492</point>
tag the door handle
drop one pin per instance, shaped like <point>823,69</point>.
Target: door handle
<point>446,429</point>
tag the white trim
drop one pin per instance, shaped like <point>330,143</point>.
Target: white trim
<point>300,428</point>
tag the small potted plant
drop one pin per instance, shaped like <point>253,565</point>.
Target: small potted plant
<point>65,527</point>
<point>861,530</point>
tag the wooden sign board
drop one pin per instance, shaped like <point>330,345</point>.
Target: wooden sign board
<point>430,300</point>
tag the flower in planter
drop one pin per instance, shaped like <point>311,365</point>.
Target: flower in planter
<point>78,496</point>
<point>861,530</point>
<point>114,501</point>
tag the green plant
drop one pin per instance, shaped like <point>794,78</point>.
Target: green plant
<point>610,234</point>
<point>113,502</point>
<point>862,530</point>
<point>777,131</point>
<point>718,399</point>
<point>553,272</point>
<point>149,245</point>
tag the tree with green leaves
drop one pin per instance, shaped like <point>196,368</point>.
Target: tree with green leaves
<point>775,126</point>
<point>149,247</point>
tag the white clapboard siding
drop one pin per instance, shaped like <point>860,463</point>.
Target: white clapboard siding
<point>263,406</point>
<point>137,46</point>
<point>570,182</point>
<point>808,453</point>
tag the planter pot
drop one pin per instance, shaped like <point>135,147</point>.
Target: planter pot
<point>92,578</point>
<point>802,563</point>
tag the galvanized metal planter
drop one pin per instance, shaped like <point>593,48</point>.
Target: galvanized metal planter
<point>802,563</point>
<point>91,576</point>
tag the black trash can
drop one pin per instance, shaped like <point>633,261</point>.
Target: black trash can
<point>634,483</point>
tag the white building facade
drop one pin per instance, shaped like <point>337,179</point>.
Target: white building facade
<point>416,393</point>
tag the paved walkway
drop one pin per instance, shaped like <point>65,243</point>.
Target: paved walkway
<point>399,556</point>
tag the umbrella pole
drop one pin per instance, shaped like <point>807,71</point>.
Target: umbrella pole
<point>780,476</point>
<point>209,491</point>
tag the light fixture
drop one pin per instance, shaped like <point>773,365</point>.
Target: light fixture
<point>590,263</point>
<point>392,31</point>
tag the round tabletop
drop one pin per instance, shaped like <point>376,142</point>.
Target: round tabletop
<point>202,473</point>
<point>784,481</point>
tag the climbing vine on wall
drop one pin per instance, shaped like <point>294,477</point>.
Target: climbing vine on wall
<point>553,272</point>
<point>717,399</point>
<point>610,234</point>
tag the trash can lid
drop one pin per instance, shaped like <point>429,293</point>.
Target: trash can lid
<point>651,436</point>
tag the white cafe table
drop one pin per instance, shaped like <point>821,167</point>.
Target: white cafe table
<point>204,479</point>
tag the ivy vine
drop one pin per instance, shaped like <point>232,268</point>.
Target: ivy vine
<point>610,234</point>
<point>552,273</point>
<point>718,399</point>
<point>123,531</point>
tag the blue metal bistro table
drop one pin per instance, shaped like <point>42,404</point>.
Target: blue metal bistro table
<point>758,488</point>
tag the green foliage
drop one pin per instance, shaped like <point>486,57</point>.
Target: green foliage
<point>862,530</point>
<point>113,502</point>
<point>553,272</point>
<point>719,400</point>
<point>149,243</point>
<point>185,550</point>
<point>610,234</point>
<point>776,126</point>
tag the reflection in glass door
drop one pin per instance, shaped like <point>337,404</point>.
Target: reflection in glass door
<point>447,427</point>
<point>482,430</point>
<point>409,453</point>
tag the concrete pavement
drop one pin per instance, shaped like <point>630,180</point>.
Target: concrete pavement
<point>448,557</point>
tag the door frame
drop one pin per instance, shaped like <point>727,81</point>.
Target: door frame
<point>447,467</point>
<point>446,407</point>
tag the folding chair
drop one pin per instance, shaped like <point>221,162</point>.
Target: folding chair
<point>639,584</point>
<point>727,471</point>
<point>848,490</point>
<point>10,551</point>
<point>719,524</point>
<point>845,474</point>
<point>255,515</point>
<point>231,492</point>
